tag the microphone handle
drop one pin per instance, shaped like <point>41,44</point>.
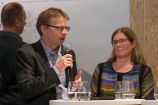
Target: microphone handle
<point>68,75</point>
<point>68,69</point>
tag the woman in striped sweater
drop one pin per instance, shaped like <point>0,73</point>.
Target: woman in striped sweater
<point>125,63</point>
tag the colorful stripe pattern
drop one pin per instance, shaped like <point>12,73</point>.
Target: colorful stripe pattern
<point>109,79</point>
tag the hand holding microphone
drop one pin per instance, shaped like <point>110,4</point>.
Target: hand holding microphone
<point>68,69</point>
<point>65,61</point>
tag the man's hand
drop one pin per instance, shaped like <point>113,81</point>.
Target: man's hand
<point>78,78</point>
<point>77,82</point>
<point>63,62</point>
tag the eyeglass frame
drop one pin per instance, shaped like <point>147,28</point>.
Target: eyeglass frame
<point>59,28</point>
<point>120,41</point>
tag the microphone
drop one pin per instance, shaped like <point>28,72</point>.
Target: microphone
<point>67,49</point>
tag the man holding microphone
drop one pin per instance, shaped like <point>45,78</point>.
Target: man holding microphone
<point>42,66</point>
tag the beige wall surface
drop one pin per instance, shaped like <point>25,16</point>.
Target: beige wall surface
<point>92,23</point>
<point>144,21</point>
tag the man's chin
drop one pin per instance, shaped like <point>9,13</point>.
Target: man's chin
<point>61,42</point>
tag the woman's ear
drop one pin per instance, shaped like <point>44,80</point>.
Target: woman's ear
<point>134,43</point>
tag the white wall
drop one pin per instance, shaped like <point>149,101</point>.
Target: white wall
<point>92,23</point>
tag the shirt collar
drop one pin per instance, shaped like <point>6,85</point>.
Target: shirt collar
<point>49,51</point>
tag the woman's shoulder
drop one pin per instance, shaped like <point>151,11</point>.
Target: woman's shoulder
<point>106,63</point>
<point>140,66</point>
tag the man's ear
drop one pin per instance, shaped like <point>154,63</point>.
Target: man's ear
<point>43,29</point>
<point>17,23</point>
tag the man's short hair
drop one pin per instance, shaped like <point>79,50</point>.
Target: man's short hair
<point>10,12</point>
<point>44,17</point>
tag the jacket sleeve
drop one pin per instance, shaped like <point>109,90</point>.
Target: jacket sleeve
<point>32,79</point>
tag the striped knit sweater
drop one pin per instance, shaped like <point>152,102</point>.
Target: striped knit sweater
<point>109,80</point>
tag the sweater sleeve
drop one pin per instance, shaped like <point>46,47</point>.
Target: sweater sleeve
<point>147,84</point>
<point>94,82</point>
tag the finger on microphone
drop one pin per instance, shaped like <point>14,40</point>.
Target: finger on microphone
<point>67,56</point>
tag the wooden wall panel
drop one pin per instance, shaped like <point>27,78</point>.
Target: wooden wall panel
<point>144,21</point>
<point>136,19</point>
<point>151,31</point>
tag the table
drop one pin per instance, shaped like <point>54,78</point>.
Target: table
<point>105,102</point>
<point>98,102</point>
<point>149,102</point>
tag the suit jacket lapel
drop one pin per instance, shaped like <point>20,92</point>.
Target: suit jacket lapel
<point>41,55</point>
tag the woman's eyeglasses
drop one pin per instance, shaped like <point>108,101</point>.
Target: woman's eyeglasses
<point>120,42</point>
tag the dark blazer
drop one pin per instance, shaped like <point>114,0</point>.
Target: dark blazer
<point>36,79</point>
<point>9,43</point>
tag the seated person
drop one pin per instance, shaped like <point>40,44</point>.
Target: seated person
<point>125,63</point>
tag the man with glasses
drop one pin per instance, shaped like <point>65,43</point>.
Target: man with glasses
<point>41,66</point>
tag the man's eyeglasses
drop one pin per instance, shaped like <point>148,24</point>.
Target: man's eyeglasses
<point>120,41</point>
<point>59,28</point>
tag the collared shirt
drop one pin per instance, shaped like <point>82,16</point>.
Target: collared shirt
<point>52,58</point>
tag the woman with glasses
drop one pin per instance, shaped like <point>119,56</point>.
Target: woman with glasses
<point>126,63</point>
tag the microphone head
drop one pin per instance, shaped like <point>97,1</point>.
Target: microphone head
<point>67,48</point>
